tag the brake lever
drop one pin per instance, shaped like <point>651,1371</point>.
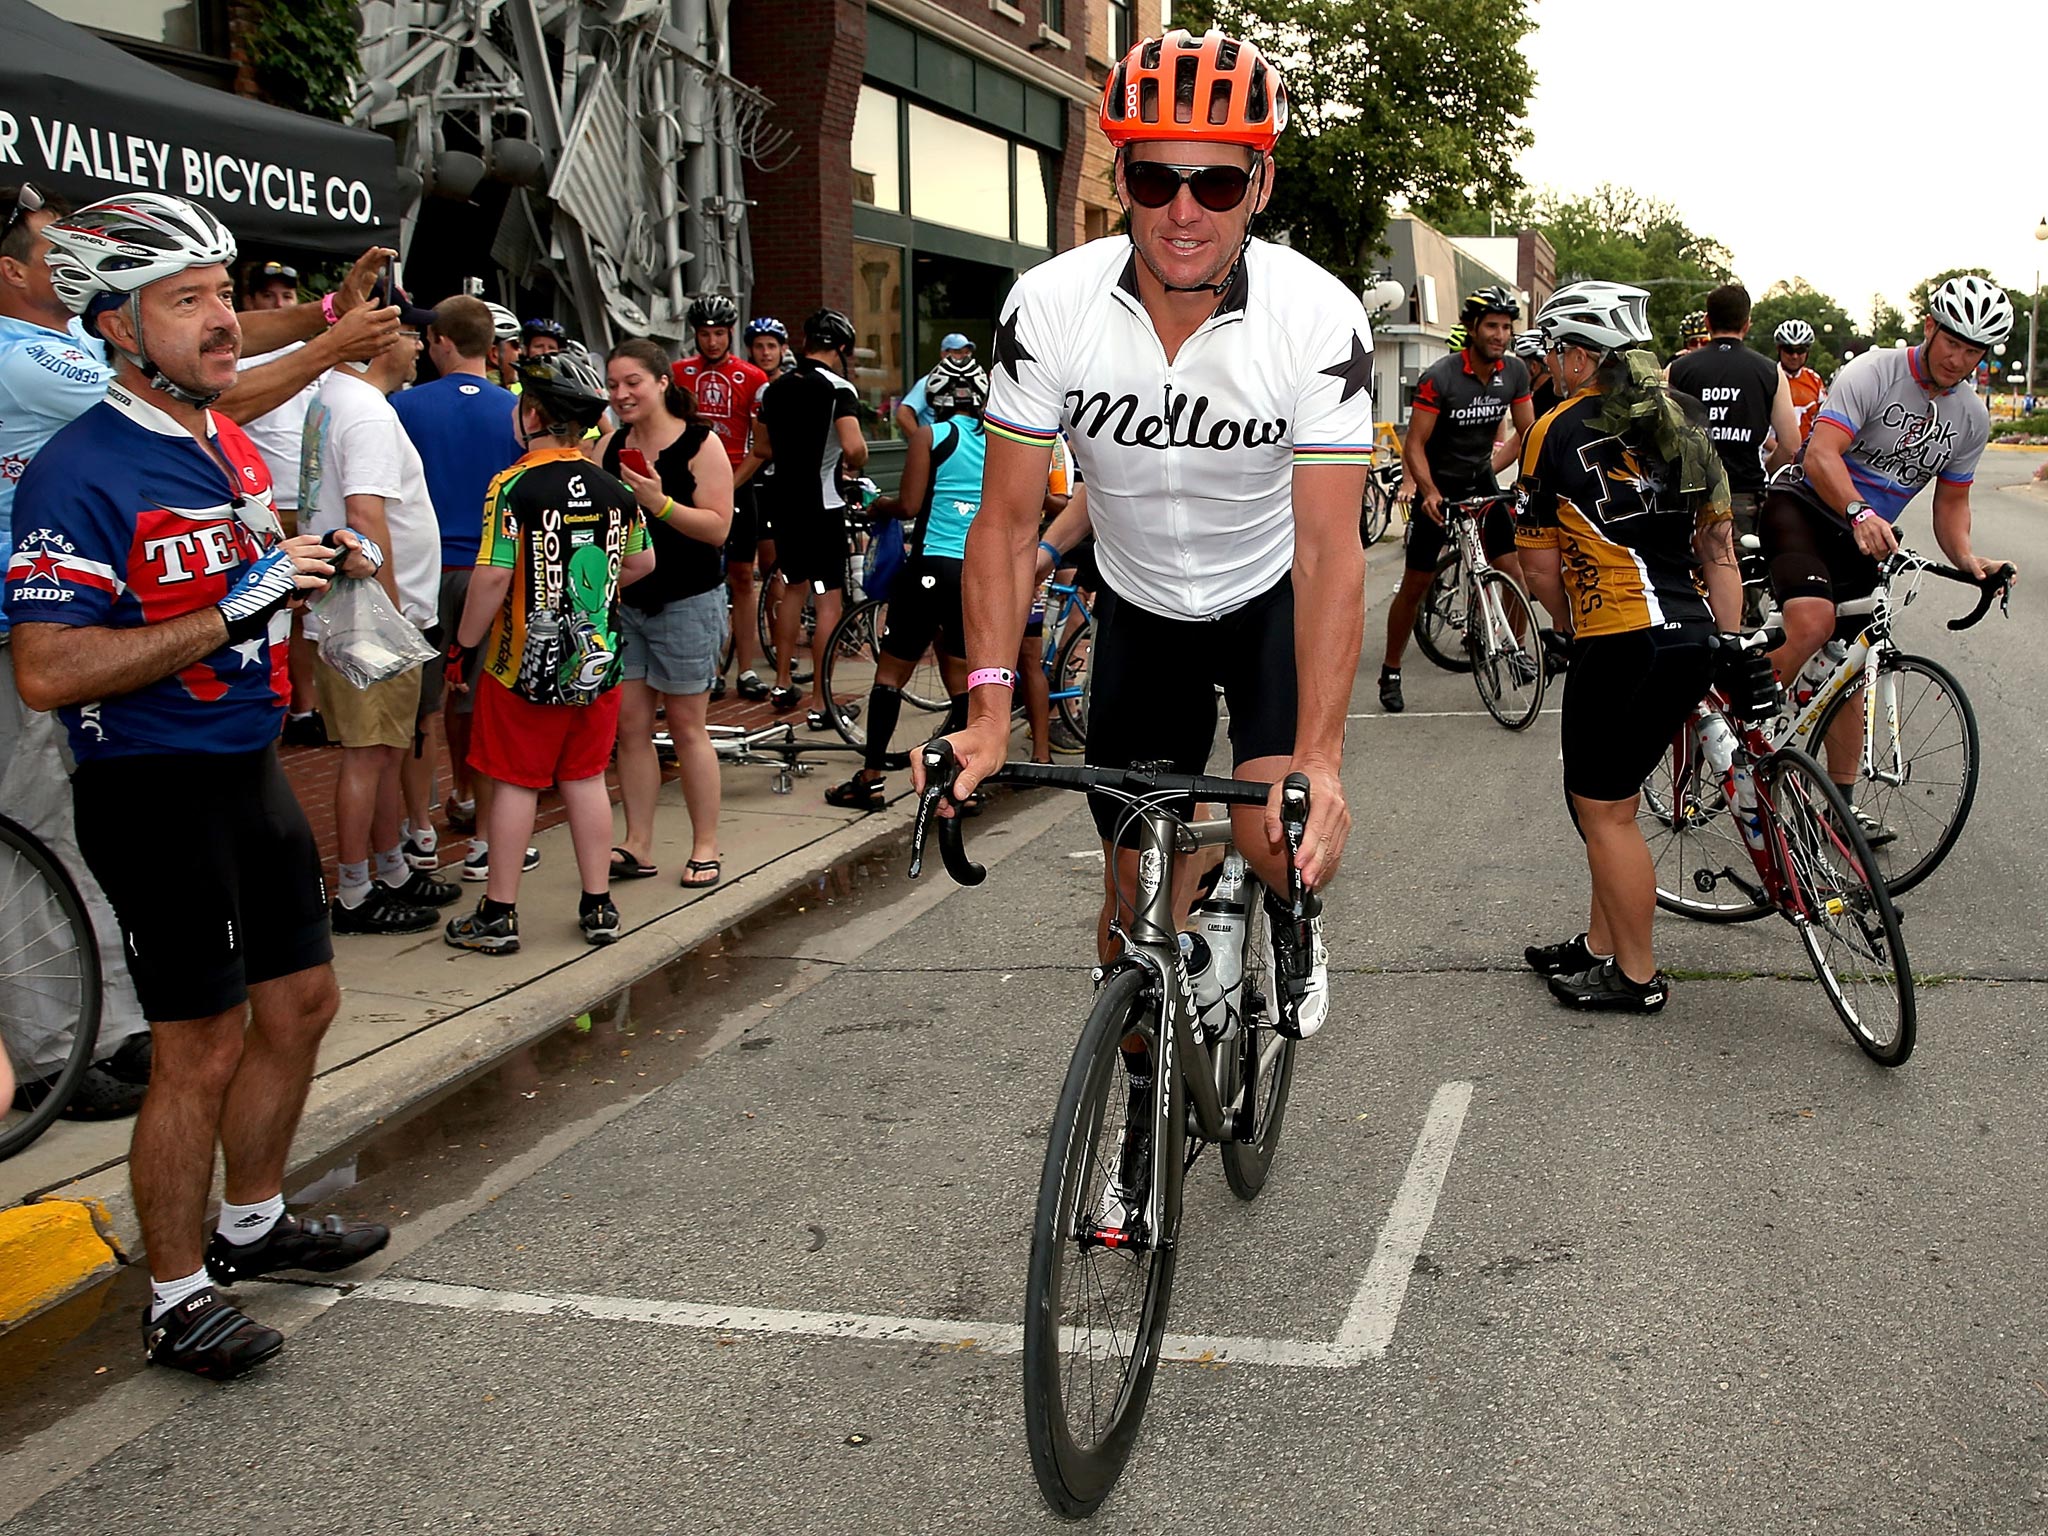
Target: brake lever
<point>1293,826</point>
<point>941,769</point>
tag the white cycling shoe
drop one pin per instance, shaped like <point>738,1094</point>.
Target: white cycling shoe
<point>1302,1018</point>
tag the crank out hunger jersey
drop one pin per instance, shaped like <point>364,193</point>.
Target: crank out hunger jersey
<point>1189,464</point>
<point>1901,432</point>
<point>1469,398</point>
<point>124,520</point>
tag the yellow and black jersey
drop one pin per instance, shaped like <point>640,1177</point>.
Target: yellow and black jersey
<point>1624,539</point>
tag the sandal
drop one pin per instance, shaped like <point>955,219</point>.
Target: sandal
<point>626,866</point>
<point>698,866</point>
<point>857,794</point>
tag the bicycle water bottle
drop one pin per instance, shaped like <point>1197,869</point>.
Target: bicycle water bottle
<point>1220,918</point>
<point>1820,666</point>
<point>1717,741</point>
<point>1746,816</point>
<point>1210,1009</point>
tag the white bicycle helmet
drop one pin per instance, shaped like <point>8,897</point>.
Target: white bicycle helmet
<point>1794,334</point>
<point>504,324</point>
<point>1607,317</point>
<point>1528,344</point>
<point>103,255</point>
<point>1972,308</point>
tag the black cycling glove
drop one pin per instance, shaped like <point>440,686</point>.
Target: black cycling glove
<point>1746,677</point>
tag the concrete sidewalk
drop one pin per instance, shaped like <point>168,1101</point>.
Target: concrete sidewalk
<point>419,1018</point>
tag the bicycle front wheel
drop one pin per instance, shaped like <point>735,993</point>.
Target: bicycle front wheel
<point>851,659</point>
<point>1258,1063</point>
<point>1507,655</point>
<point>1703,866</point>
<point>1440,622</point>
<point>1096,1293</point>
<point>49,986</point>
<point>1071,675</point>
<point>1914,803</point>
<point>1837,900</point>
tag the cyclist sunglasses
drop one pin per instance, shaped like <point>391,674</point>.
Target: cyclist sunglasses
<point>28,200</point>
<point>1218,188</point>
<point>271,270</point>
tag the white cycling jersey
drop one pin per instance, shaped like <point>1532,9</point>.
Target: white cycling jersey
<point>1189,464</point>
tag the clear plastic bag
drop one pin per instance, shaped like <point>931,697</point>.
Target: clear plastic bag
<point>362,636</point>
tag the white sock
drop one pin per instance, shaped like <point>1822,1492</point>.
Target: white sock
<point>480,848</point>
<point>391,866</point>
<point>426,839</point>
<point>244,1224</point>
<point>166,1294</point>
<point>355,883</point>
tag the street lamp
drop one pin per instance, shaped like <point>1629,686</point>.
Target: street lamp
<point>2034,318</point>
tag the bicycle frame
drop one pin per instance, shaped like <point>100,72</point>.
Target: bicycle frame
<point>1070,603</point>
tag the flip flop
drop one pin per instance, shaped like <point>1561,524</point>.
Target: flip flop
<point>697,866</point>
<point>626,867</point>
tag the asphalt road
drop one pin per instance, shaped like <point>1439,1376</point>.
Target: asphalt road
<point>1711,1271</point>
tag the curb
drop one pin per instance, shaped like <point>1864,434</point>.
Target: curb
<point>73,1237</point>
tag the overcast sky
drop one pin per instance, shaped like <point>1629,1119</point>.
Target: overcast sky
<point>1881,166</point>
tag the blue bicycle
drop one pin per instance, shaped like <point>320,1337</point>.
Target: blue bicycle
<point>1069,645</point>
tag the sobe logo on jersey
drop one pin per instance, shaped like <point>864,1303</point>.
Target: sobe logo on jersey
<point>1185,423</point>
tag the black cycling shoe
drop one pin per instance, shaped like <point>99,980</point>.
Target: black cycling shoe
<point>382,911</point>
<point>322,1245</point>
<point>1390,692</point>
<point>1564,959</point>
<point>423,890</point>
<point>1602,988</point>
<point>209,1336</point>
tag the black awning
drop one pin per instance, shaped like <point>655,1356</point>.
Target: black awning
<point>86,120</point>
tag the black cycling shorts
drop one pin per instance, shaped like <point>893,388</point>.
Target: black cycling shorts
<point>924,606</point>
<point>745,538</point>
<point>1152,692</point>
<point>811,548</point>
<point>1625,696</point>
<point>1426,536</point>
<point>1812,553</point>
<point>211,870</point>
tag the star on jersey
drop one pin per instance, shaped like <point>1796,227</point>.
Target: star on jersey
<point>1010,349</point>
<point>251,651</point>
<point>1355,371</point>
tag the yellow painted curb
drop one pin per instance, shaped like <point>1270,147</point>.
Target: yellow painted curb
<point>47,1251</point>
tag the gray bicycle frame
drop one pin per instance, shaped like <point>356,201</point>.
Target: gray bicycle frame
<point>1153,943</point>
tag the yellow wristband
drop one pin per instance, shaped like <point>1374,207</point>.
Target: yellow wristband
<point>667,506</point>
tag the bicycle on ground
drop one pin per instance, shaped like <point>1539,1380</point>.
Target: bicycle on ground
<point>49,986</point>
<point>1477,619</point>
<point>1803,856</point>
<point>1916,754</point>
<point>1179,1052</point>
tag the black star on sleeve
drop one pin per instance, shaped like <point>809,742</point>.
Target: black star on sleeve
<point>1355,371</point>
<point>1010,349</point>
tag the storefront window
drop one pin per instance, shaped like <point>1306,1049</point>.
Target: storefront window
<point>877,175</point>
<point>878,365</point>
<point>953,295</point>
<point>1034,215</point>
<point>959,176</point>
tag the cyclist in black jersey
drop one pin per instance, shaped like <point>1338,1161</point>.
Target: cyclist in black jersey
<point>1748,401</point>
<point>1455,450</point>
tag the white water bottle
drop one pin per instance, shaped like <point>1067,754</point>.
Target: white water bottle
<point>1206,982</point>
<point>1220,919</point>
<point>1717,741</point>
<point>1746,816</point>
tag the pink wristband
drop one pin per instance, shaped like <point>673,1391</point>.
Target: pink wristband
<point>1002,677</point>
<point>327,309</point>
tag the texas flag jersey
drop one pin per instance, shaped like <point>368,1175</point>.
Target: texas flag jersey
<point>124,520</point>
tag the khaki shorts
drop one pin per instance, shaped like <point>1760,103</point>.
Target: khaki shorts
<point>381,715</point>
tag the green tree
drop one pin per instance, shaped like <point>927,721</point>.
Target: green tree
<point>1800,300</point>
<point>1417,101</point>
<point>1887,325</point>
<point>304,53</point>
<point>1617,236</point>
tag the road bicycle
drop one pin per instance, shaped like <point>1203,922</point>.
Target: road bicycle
<point>1917,753</point>
<point>775,746</point>
<point>49,985</point>
<point>1477,619</point>
<point>1382,495</point>
<point>1069,634</point>
<point>1803,856</point>
<point>1155,1077</point>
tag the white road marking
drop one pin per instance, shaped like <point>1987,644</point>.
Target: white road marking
<point>1369,1326</point>
<point>1367,1331</point>
<point>1439,714</point>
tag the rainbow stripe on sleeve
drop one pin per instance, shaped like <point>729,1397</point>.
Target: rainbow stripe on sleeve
<point>1332,453</point>
<point>1030,437</point>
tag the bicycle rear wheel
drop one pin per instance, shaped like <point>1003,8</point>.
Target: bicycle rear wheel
<point>1507,656</point>
<point>1096,1293</point>
<point>1838,902</point>
<point>1257,1055</point>
<point>1440,622</point>
<point>1071,675</point>
<point>49,986</point>
<point>1937,765</point>
<point>1703,867</point>
<point>851,658</point>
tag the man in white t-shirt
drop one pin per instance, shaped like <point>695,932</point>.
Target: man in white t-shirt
<point>279,436</point>
<point>371,480</point>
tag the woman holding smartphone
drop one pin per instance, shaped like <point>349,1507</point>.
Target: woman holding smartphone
<point>672,622</point>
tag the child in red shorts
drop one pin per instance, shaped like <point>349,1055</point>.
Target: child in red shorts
<point>560,538</point>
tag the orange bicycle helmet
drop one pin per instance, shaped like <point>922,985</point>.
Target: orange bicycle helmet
<point>1213,88</point>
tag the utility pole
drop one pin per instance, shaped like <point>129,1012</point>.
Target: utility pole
<point>2034,318</point>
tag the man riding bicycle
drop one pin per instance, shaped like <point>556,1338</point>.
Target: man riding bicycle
<point>1216,395</point>
<point>1453,452</point>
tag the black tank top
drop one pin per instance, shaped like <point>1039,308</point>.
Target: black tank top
<point>1736,384</point>
<point>683,566</point>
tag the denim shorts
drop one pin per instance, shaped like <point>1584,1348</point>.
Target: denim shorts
<point>677,649</point>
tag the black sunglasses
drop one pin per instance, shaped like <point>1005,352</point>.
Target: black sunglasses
<point>1218,188</point>
<point>28,200</point>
